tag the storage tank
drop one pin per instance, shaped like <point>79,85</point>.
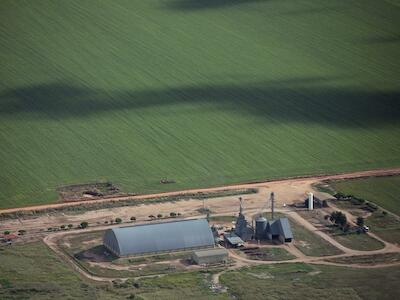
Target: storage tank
<point>310,201</point>
<point>261,227</point>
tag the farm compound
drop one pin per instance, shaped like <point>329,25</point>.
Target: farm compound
<point>274,229</point>
<point>159,237</point>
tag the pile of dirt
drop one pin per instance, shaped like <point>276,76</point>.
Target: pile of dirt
<point>79,192</point>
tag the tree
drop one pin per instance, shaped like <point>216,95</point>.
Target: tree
<point>342,220</point>
<point>360,221</point>
<point>338,218</point>
<point>118,220</point>
<point>84,225</point>
<point>339,196</point>
<point>133,218</point>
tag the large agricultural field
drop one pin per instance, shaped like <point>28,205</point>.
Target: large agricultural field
<point>197,91</point>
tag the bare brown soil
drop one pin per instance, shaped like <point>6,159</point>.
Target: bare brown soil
<point>53,240</point>
<point>286,192</point>
<point>312,179</point>
<point>83,192</point>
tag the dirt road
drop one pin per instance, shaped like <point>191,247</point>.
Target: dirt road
<point>352,220</point>
<point>51,242</point>
<point>286,191</point>
<point>378,172</point>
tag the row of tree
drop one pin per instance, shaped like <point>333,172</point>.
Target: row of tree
<point>85,224</point>
<point>339,219</point>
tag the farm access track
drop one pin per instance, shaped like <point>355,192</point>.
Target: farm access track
<point>51,241</point>
<point>360,174</point>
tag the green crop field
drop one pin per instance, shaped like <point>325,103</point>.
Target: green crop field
<point>202,92</point>
<point>384,191</point>
<point>33,271</point>
<point>301,281</point>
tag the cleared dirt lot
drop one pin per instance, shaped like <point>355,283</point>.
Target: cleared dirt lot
<point>286,191</point>
<point>273,183</point>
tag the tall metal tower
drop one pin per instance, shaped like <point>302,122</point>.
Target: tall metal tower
<point>272,198</point>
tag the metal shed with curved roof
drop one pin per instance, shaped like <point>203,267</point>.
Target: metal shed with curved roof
<point>159,237</point>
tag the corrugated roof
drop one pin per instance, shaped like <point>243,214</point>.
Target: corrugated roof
<point>274,227</point>
<point>233,238</point>
<point>286,230</point>
<point>282,227</point>
<point>159,237</point>
<point>211,252</point>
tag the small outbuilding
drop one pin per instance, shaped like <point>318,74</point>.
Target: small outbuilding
<point>232,240</point>
<point>211,256</point>
<point>279,229</point>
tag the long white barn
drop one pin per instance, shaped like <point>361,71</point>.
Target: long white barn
<point>159,237</point>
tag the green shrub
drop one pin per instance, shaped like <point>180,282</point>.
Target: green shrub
<point>84,225</point>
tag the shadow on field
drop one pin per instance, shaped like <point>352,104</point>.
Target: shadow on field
<point>381,40</point>
<point>205,4</point>
<point>310,100</point>
<point>297,10</point>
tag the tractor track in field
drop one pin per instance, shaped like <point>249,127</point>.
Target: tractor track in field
<point>256,184</point>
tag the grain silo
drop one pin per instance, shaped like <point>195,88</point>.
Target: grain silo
<point>310,201</point>
<point>261,226</point>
